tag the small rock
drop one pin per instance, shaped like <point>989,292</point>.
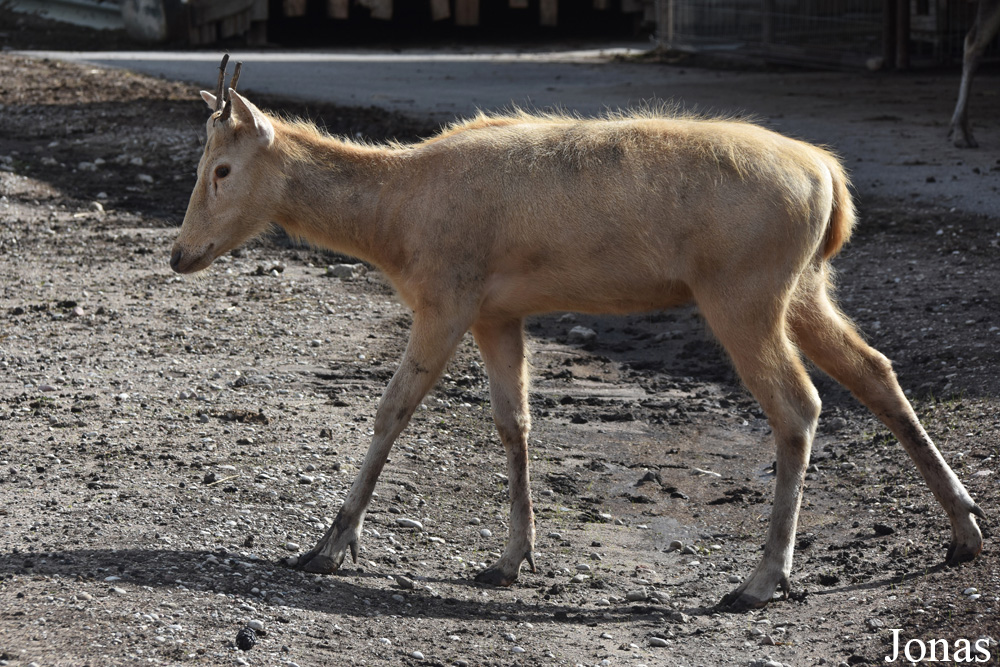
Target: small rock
<point>883,529</point>
<point>675,545</point>
<point>688,550</point>
<point>246,638</point>
<point>144,178</point>
<point>517,649</point>
<point>579,579</point>
<point>582,567</point>
<point>972,590</point>
<point>580,334</point>
<point>405,583</point>
<point>417,655</point>
<point>291,546</point>
<point>836,424</point>
<point>118,591</point>
<point>486,532</point>
<point>306,479</point>
<point>636,595</point>
<point>342,271</point>
<point>409,523</point>
<point>256,626</point>
<point>875,623</point>
<point>658,641</point>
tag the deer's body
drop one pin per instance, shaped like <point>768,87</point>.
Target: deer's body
<point>499,218</point>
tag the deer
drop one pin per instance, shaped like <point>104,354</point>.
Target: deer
<point>983,30</point>
<point>503,216</point>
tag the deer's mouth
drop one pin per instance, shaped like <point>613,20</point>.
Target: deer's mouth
<point>188,261</point>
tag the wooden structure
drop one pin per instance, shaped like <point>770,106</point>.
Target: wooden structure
<point>461,12</point>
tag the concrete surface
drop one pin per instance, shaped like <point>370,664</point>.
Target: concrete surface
<point>890,129</point>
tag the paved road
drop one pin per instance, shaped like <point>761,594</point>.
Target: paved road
<point>889,129</point>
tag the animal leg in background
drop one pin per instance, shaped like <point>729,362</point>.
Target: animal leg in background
<point>983,31</point>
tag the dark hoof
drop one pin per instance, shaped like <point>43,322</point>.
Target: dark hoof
<point>317,564</point>
<point>495,577</point>
<point>737,603</point>
<point>962,554</point>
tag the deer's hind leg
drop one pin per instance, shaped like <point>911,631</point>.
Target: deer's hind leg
<point>832,342</point>
<point>501,343</point>
<point>751,326</point>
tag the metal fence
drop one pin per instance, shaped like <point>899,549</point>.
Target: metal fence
<point>848,33</point>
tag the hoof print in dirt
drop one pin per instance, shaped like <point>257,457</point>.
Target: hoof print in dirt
<point>246,638</point>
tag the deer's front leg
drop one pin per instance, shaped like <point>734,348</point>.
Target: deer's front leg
<point>502,347</point>
<point>432,340</point>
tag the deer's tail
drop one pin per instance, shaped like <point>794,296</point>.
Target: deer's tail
<point>843,214</point>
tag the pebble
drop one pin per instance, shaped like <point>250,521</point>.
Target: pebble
<point>658,641</point>
<point>404,582</point>
<point>733,579</point>
<point>579,579</point>
<point>636,595</point>
<point>970,591</point>
<point>675,545</point>
<point>475,521</point>
<point>342,271</point>
<point>486,532</point>
<point>582,567</point>
<point>417,655</point>
<point>246,638</point>
<point>118,591</point>
<point>83,595</point>
<point>517,649</point>
<point>256,626</point>
<point>306,479</point>
<point>509,636</point>
<point>385,641</point>
<point>291,546</point>
<point>409,523</point>
<point>582,334</point>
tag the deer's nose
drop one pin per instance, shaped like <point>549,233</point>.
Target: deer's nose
<point>175,258</point>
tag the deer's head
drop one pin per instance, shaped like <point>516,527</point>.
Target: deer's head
<point>238,180</point>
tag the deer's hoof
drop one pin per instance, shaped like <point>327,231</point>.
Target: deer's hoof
<point>738,602</point>
<point>962,553</point>
<point>494,576</point>
<point>317,562</point>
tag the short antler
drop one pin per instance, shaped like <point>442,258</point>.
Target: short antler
<point>222,80</point>
<point>227,109</point>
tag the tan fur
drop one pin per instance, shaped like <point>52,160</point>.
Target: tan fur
<point>501,217</point>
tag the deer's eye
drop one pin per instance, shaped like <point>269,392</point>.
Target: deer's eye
<point>221,171</point>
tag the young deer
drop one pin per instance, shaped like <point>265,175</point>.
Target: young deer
<point>502,217</point>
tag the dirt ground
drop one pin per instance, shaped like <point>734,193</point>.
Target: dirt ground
<point>166,441</point>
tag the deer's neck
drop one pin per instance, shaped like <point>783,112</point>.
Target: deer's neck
<point>331,194</point>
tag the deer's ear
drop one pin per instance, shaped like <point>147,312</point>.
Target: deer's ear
<point>247,113</point>
<point>209,99</point>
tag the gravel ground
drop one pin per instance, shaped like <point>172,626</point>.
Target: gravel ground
<point>165,441</point>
